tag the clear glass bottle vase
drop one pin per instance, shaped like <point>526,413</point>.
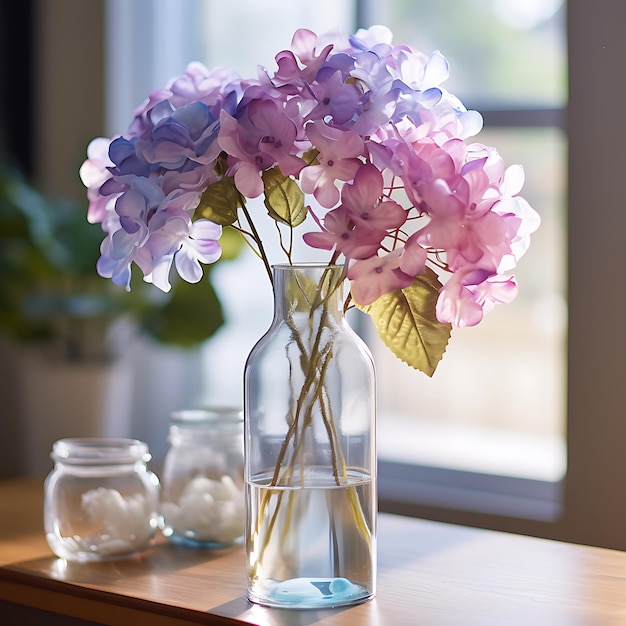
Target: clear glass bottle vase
<point>310,472</point>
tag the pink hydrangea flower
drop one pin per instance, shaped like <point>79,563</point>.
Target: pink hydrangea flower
<point>304,45</point>
<point>373,277</point>
<point>470,293</point>
<point>94,173</point>
<point>338,161</point>
<point>363,199</point>
<point>339,232</point>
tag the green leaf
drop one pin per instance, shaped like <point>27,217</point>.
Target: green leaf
<point>231,243</point>
<point>310,157</point>
<point>284,199</point>
<point>192,314</point>
<point>219,202</point>
<point>407,323</point>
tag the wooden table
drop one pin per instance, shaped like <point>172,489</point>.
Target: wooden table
<point>429,574</point>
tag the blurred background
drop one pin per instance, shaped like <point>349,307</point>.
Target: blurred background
<point>522,427</point>
<point>79,357</point>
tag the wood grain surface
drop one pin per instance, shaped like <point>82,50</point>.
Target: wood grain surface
<point>429,574</point>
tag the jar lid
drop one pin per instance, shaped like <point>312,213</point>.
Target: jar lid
<point>206,424</point>
<point>99,451</point>
<point>214,416</point>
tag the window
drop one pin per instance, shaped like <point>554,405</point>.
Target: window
<point>494,413</point>
<point>586,505</point>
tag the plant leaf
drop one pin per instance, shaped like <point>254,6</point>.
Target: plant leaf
<point>284,199</point>
<point>192,314</point>
<point>231,243</point>
<point>310,157</point>
<point>407,323</point>
<point>219,202</point>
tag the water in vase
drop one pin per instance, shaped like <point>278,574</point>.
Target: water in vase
<point>311,544</point>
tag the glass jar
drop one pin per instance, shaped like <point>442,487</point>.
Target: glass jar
<point>100,500</point>
<point>202,503</point>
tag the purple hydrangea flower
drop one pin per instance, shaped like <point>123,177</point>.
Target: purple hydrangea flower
<point>364,127</point>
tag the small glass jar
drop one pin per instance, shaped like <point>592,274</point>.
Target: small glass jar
<point>101,501</point>
<point>202,497</point>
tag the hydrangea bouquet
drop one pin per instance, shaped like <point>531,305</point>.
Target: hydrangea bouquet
<point>355,141</point>
<point>354,137</point>
<point>357,135</point>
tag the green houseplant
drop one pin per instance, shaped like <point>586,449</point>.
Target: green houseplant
<point>70,335</point>
<point>52,298</point>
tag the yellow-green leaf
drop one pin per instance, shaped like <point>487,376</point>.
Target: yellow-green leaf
<point>406,322</point>
<point>310,157</point>
<point>284,199</point>
<point>231,243</point>
<point>219,202</point>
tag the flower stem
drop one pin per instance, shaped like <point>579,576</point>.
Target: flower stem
<point>257,238</point>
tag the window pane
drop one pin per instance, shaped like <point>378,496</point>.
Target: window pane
<point>510,51</point>
<point>503,381</point>
<point>497,401</point>
<point>245,34</point>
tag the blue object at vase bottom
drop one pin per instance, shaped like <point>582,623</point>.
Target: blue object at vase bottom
<point>313,593</point>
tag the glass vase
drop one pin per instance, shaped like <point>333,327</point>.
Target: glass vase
<point>309,435</point>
